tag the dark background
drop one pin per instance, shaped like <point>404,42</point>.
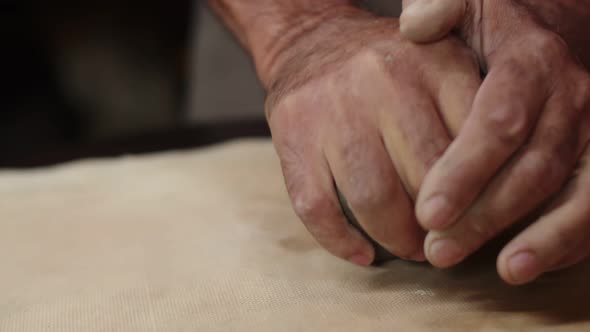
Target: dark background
<point>98,78</point>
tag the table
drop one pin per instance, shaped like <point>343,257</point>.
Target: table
<point>205,240</point>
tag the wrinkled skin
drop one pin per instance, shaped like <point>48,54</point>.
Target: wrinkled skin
<point>524,144</point>
<point>353,105</point>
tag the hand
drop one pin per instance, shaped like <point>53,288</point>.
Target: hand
<point>522,141</point>
<point>353,105</point>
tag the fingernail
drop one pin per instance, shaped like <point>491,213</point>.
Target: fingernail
<point>445,252</point>
<point>435,213</point>
<point>361,260</point>
<point>411,19</point>
<point>523,267</point>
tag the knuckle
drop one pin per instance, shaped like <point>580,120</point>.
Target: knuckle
<point>312,207</point>
<point>546,171</point>
<point>320,217</point>
<point>509,124</point>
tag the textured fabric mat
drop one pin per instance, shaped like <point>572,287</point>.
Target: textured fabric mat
<point>206,241</point>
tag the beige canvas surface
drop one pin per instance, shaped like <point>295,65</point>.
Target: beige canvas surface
<point>206,241</point>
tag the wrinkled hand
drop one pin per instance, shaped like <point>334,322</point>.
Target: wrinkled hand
<point>526,135</point>
<point>352,105</point>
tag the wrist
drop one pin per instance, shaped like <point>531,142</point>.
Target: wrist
<point>269,36</point>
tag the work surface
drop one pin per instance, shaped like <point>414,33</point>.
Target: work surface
<point>206,241</point>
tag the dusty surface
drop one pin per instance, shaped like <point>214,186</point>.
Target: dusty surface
<point>206,241</point>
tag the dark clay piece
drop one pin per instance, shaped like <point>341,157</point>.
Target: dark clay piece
<point>381,254</point>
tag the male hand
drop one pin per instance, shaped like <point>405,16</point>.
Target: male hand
<point>352,105</point>
<point>527,133</point>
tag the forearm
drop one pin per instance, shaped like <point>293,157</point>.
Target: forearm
<point>265,27</point>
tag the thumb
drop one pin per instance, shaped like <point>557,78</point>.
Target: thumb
<point>424,21</point>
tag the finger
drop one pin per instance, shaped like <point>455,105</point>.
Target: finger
<point>311,189</point>
<point>454,81</point>
<point>577,256</point>
<point>413,133</point>
<point>381,254</point>
<point>560,235</point>
<point>455,99</point>
<point>504,112</point>
<point>425,21</point>
<point>366,176</point>
<point>536,173</point>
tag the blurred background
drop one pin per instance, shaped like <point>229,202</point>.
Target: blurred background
<point>103,78</point>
